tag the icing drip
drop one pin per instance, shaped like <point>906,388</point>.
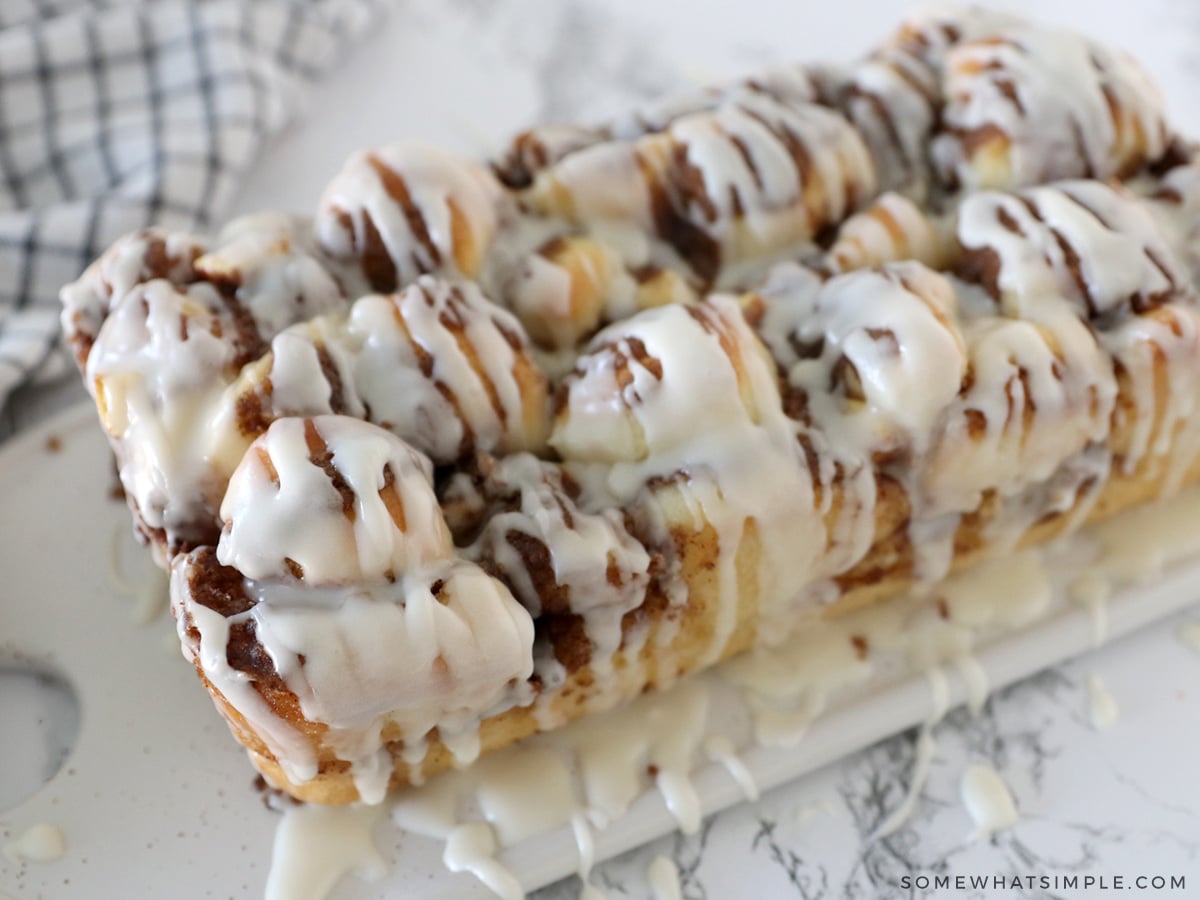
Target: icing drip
<point>976,680</point>
<point>664,879</point>
<point>147,591</point>
<point>503,792</point>
<point>40,843</point>
<point>1091,591</point>
<point>988,801</point>
<point>720,749</point>
<point>472,848</point>
<point>316,846</point>
<point>1102,706</point>
<point>923,750</point>
<point>939,694</point>
<point>789,686</point>
<point>1189,635</point>
<point>1140,543</point>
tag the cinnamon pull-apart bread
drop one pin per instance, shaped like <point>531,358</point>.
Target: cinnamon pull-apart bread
<point>481,448</point>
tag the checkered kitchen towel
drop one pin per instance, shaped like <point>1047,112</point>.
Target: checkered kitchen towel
<point>118,113</point>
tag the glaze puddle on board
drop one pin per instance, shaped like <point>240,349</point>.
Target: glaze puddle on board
<point>988,800</point>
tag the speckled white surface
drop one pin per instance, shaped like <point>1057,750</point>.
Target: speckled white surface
<point>1121,801</point>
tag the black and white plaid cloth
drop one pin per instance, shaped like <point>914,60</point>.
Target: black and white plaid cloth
<point>115,114</point>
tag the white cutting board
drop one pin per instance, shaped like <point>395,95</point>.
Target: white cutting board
<point>156,796</point>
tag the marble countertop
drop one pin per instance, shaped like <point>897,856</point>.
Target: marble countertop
<point>1121,800</point>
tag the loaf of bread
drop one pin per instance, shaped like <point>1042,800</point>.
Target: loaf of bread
<point>481,449</point>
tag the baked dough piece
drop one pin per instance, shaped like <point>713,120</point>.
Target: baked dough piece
<point>652,393</point>
<point>406,210</point>
<point>717,490</point>
<point>159,325</point>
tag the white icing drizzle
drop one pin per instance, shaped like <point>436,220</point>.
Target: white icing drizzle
<point>39,843</point>
<point>503,791</point>
<point>891,229</point>
<point>538,148</point>
<point>1189,635</point>
<point>272,261</point>
<point>1141,542</point>
<point>664,879</point>
<point>597,569</point>
<point>729,174</point>
<point>1026,105</point>
<point>976,679</point>
<point>437,363</point>
<point>1174,199</point>
<point>407,209</point>
<point>923,750</point>
<point>342,501</point>
<point>903,357</point>
<point>633,408</point>
<point>421,661</point>
<point>316,846</point>
<point>1043,234</point>
<point>167,348</point>
<point>1091,591</point>
<point>932,29</point>
<point>472,848</point>
<point>147,592</point>
<point>787,690</point>
<point>1102,706</point>
<point>437,642</point>
<point>987,800</point>
<point>939,694</point>
<point>152,370</point>
<point>568,286</point>
<point>585,843</point>
<point>719,748</point>
<point>892,98</point>
<point>130,261</point>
